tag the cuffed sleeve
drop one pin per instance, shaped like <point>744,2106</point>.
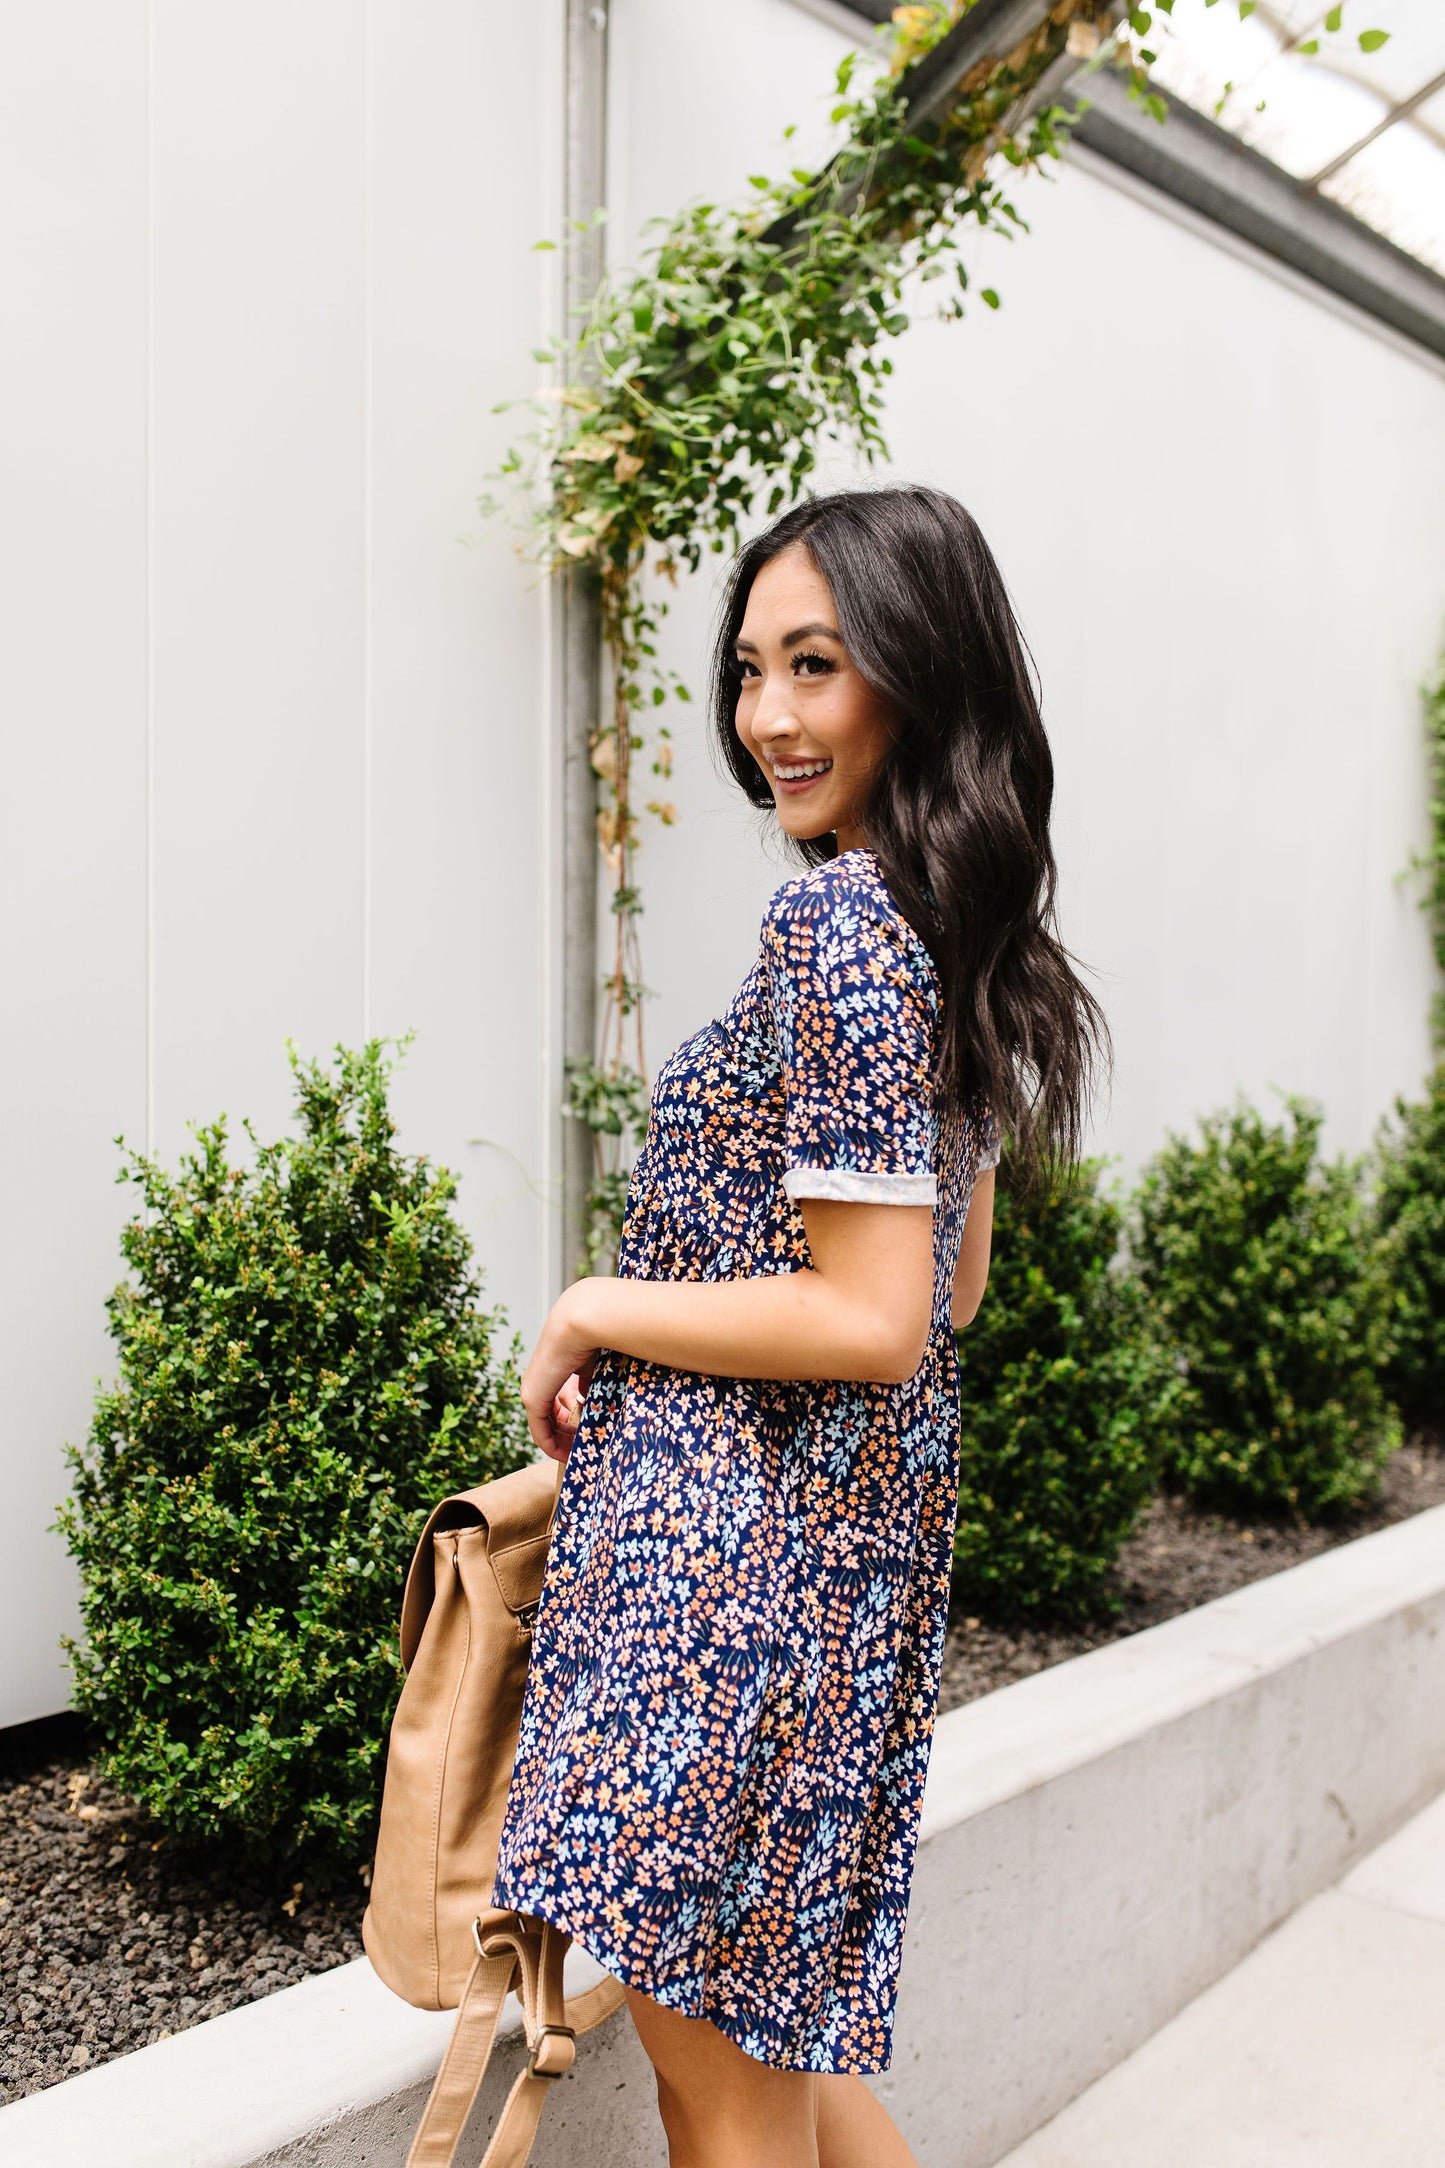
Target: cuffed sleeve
<point>856,1005</point>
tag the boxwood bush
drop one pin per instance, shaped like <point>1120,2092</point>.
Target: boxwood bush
<point>304,1370</point>
<point>1065,1396</point>
<point>1259,1260</point>
<point>1410,1204</point>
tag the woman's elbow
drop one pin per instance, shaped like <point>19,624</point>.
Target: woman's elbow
<point>899,1355</point>
<point>966,1305</point>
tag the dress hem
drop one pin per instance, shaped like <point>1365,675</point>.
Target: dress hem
<point>620,1967</point>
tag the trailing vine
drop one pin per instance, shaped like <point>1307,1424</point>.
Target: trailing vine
<point>702,387</point>
<point>1432,864</point>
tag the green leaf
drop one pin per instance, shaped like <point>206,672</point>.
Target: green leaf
<point>1372,40</point>
<point>1334,19</point>
<point>990,297</point>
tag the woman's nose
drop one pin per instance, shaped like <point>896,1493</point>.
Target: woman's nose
<point>772,717</point>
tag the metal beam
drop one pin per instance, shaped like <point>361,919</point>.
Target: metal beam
<point>580,637</point>
<point>1194,160</point>
<point>1197,163</point>
<point>1399,112</point>
<point>989,30</point>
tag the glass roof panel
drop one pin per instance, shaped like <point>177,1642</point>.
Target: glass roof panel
<point>1397,185</point>
<point>1307,111</point>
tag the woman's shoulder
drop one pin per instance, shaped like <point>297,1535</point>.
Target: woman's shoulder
<point>851,882</point>
<point>846,897</point>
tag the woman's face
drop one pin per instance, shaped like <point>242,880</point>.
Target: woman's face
<point>813,724</point>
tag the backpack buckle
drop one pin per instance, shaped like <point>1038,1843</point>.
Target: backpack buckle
<point>563,2055</point>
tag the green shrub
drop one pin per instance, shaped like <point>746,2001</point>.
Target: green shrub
<point>1410,1207</point>
<point>303,1372</point>
<point>1258,1259</point>
<point>1064,1396</point>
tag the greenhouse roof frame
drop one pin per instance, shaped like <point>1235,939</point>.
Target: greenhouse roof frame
<point>1216,172</point>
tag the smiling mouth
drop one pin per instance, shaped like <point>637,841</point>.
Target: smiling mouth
<point>796,774</point>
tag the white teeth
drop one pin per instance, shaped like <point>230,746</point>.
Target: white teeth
<point>794,775</point>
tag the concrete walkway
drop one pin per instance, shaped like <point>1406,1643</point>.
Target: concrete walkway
<point>1325,2048</point>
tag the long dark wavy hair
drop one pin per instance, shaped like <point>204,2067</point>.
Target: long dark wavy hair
<point>958,814</point>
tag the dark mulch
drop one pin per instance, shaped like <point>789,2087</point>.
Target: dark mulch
<point>110,1939</point>
<point>1179,1557</point>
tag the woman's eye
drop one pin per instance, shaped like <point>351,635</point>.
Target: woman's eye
<point>812,665</point>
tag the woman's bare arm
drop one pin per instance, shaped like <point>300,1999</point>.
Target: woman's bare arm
<point>971,1273</point>
<point>860,1311</point>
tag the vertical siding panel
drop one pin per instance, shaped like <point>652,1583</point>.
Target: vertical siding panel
<point>72,812</point>
<point>258,548</point>
<point>459,723</point>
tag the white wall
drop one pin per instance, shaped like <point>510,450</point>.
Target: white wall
<point>280,747</point>
<point>277,730</point>
<point>1219,501</point>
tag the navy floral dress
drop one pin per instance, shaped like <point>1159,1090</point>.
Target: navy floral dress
<point>735,1666</point>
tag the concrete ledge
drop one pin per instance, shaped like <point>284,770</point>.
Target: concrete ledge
<point>1100,1843</point>
<point>332,2073</point>
<point>1108,1838</point>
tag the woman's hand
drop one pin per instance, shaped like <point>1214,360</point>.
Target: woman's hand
<point>556,1378</point>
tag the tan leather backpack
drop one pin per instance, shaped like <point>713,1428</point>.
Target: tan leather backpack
<point>431,1930</point>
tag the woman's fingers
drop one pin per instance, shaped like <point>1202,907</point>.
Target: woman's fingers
<point>551,1437</point>
<point>540,1408</point>
<point>553,1425</point>
<point>556,1428</point>
<point>553,1385</point>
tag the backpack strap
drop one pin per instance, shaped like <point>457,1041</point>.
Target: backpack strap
<point>513,1949</point>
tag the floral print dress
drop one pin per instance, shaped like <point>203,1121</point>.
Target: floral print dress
<point>735,1665</point>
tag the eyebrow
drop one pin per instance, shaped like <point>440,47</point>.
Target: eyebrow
<point>791,639</point>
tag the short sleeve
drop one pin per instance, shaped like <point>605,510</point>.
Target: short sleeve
<point>856,1005</point>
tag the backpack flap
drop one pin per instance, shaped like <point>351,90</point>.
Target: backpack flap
<point>517,1511</point>
<point>466,1640</point>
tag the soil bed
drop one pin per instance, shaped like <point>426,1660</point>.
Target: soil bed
<point>1177,1558</point>
<point>111,1939</point>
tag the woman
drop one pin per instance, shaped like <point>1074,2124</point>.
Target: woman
<point>735,1666</point>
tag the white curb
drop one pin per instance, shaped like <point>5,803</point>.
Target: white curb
<point>1100,1842</point>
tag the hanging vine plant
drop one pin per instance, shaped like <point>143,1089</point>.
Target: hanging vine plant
<point>704,385</point>
<point>1432,863</point>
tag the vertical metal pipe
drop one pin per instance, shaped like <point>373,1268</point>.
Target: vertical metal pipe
<point>580,674</point>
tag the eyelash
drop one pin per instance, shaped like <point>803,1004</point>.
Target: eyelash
<point>742,666</point>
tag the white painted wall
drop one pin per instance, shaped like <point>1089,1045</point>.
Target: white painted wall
<point>276,716</point>
<point>278,727</point>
